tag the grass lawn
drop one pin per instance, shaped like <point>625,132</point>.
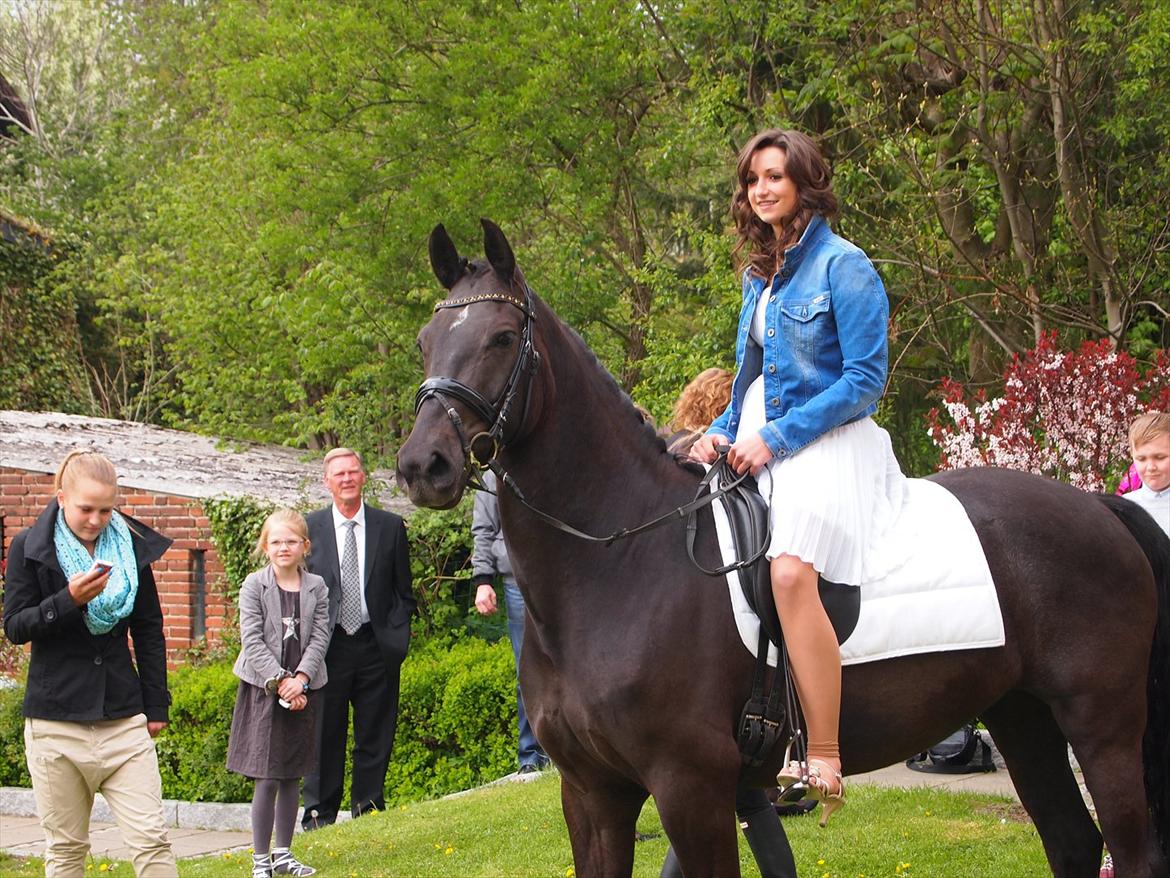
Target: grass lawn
<point>517,830</point>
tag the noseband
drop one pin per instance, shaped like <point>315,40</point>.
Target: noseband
<point>494,413</point>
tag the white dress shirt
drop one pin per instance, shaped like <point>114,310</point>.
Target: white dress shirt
<point>359,533</point>
<point>1157,503</point>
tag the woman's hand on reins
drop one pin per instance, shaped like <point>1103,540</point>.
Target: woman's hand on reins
<point>704,448</point>
<point>750,453</point>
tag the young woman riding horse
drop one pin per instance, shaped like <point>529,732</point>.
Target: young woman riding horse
<point>810,368</point>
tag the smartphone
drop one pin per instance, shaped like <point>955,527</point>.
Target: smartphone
<point>101,567</point>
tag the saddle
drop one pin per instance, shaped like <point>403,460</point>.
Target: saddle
<point>764,715</point>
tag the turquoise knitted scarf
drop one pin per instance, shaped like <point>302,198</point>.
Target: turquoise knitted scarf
<point>116,600</point>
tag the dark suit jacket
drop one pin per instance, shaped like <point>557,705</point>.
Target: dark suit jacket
<point>387,581</point>
<point>74,675</point>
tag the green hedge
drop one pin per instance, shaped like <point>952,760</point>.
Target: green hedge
<point>192,749</point>
<point>13,767</point>
<point>456,727</point>
<point>456,720</point>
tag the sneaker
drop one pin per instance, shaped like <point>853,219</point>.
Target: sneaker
<point>284,863</point>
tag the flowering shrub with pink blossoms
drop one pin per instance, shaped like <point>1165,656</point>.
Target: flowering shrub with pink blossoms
<point>1063,414</point>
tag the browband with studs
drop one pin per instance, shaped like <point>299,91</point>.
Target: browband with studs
<point>484,297</point>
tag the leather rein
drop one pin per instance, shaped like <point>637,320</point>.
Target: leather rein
<point>497,414</point>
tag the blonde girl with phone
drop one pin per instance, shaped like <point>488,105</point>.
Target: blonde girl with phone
<point>91,709</point>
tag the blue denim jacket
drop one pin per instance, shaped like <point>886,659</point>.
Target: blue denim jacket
<point>824,356</point>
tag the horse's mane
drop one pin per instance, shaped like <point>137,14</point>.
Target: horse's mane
<point>477,268</point>
<point>644,429</point>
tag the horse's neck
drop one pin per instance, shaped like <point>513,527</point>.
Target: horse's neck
<point>590,463</point>
<point>591,457</point>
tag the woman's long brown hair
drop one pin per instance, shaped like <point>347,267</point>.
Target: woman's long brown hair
<point>756,242</point>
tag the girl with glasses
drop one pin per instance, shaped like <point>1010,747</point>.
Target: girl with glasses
<point>284,633</point>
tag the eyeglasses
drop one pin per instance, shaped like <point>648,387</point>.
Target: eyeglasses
<point>284,544</point>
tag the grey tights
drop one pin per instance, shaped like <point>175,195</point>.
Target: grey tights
<point>274,805</point>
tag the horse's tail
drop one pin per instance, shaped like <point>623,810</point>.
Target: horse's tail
<point>1155,753</point>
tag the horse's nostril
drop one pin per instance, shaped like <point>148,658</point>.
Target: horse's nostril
<point>438,466</point>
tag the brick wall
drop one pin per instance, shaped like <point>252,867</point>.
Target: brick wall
<point>23,496</point>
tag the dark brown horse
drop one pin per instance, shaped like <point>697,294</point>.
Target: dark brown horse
<point>634,675</point>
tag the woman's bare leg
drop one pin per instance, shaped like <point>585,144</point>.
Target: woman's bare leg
<point>815,656</point>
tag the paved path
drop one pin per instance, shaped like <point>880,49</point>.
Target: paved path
<point>225,827</point>
<point>196,829</point>
<point>22,837</point>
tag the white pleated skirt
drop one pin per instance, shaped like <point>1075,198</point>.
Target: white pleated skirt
<point>831,501</point>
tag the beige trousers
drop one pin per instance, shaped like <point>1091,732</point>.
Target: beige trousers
<point>69,763</point>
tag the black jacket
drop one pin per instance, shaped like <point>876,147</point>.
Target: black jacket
<point>74,675</point>
<point>387,584</point>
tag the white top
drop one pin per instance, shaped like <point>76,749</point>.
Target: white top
<point>1157,503</point>
<point>759,326</point>
<point>359,533</point>
<point>753,417</point>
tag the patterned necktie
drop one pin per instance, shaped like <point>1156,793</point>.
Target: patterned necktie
<point>350,617</point>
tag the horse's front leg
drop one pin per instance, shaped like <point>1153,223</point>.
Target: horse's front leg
<point>698,814</point>
<point>602,816</point>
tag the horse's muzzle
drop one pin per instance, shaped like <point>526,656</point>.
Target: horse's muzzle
<point>430,465</point>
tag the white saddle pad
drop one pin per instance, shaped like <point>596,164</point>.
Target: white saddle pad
<point>930,590</point>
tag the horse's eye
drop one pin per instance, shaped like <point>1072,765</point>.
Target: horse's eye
<point>503,340</point>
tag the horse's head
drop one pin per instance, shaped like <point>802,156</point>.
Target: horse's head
<point>479,361</point>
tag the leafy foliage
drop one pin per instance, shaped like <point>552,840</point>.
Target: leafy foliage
<point>40,368</point>
<point>235,529</point>
<point>192,749</point>
<point>1063,414</point>
<point>13,765</point>
<point>250,188</point>
<point>456,720</point>
<point>440,552</point>
<point>456,727</point>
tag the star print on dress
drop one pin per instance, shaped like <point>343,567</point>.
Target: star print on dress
<point>290,627</point>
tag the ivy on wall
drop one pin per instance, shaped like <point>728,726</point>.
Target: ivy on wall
<point>235,528</point>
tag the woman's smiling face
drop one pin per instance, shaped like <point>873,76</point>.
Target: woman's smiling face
<point>771,193</point>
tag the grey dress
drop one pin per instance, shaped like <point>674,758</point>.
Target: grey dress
<point>267,740</point>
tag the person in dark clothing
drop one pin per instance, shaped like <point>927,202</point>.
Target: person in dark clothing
<point>363,556</point>
<point>79,587</point>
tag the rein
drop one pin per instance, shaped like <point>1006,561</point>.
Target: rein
<point>726,486</point>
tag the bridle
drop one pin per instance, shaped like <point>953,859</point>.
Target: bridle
<point>495,413</point>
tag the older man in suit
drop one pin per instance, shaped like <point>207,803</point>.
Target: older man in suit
<point>362,554</point>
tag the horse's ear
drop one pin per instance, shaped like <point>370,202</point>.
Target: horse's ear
<point>445,260</point>
<point>498,251</point>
